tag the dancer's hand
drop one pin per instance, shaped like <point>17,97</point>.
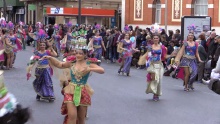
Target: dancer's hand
<point>28,76</point>
<point>201,61</point>
<point>86,70</point>
<point>177,63</point>
<point>45,57</point>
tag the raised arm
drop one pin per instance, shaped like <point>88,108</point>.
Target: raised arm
<point>96,68</point>
<point>53,52</point>
<point>57,63</point>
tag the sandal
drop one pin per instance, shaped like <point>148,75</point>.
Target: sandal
<point>186,89</point>
<point>191,87</point>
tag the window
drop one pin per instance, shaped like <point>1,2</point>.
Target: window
<point>158,12</point>
<point>201,8</point>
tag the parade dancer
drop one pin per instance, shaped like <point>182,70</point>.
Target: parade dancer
<point>57,39</point>
<point>2,56</point>
<point>126,46</point>
<point>7,45</point>
<point>43,84</point>
<point>21,35</point>
<point>188,64</point>
<point>77,93</point>
<point>35,35</point>
<point>155,69</point>
<point>82,32</point>
<point>69,35</point>
<point>15,41</point>
<point>97,45</point>
<point>11,112</point>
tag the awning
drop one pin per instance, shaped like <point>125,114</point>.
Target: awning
<point>84,12</point>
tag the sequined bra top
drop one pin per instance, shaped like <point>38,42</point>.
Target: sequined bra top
<point>57,38</point>
<point>13,39</point>
<point>42,62</point>
<point>190,50</point>
<point>97,41</point>
<point>155,55</point>
<point>77,77</point>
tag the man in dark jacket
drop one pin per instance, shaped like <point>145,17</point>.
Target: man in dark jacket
<point>217,51</point>
<point>201,66</point>
<point>114,45</point>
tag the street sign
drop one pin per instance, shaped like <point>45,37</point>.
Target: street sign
<point>31,7</point>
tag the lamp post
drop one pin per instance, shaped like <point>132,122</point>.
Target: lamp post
<point>79,12</point>
<point>4,8</point>
<point>166,15</point>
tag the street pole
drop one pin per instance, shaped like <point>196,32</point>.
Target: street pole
<point>4,8</point>
<point>166,15</point>
<point>79,13</point>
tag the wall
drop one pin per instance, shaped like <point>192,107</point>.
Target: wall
<point>187,10</point>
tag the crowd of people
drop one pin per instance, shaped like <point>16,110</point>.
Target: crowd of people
<point>71,52</point>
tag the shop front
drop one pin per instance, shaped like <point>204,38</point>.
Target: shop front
<point>89,16</point>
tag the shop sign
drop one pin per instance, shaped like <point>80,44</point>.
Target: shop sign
<point>31,7</point>
<point>56,11</point>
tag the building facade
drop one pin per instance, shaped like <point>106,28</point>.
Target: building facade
<point>15,10</point>
<point>147,12</point>
<point>62,11</point>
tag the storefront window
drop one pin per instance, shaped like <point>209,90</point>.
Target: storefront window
<point>158,12</point>
<point>201,8</point>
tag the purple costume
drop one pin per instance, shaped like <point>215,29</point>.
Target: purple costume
<point>189,60</point>
<point>43,84</point>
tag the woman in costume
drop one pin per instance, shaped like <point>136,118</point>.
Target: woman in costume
<point>2,56</point>
<point>69,35</point>
<point>127,47</point>
<point>77,93</point>
<point>154,57</point>
<point>57,39</point>
<point>11,112</point>
<point>36,35</point>
<point>82,31</point>
<point>21,35</point>
<point>188,64</point>
<point>43,84</point>
<point>15,41</point>
<point>97,45</point>
<point>7,46</point>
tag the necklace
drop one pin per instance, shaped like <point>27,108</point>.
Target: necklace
<point>77,74</point>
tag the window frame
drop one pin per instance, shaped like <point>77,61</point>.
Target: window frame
<point>158,12</point>
<point>201,8</point>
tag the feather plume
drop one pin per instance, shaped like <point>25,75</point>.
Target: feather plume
<point>10,26</point>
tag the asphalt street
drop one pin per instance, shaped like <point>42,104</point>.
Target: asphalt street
<point>120,99</point>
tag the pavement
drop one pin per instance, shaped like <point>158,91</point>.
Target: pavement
<point>120,99</point>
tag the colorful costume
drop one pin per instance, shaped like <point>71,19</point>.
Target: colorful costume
<point>97,45</point>
<point>57,39</point>
<point>127,56</point>
<point>2,56</point>
<point>43,84</point>
<point>11,111</point>
<point>156,67</point>
<point>189,60</point>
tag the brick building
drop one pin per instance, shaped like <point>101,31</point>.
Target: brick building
<point>147,12</point>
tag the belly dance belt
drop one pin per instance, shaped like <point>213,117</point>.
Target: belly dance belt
<point>78,91</point>
<point>97,46</point>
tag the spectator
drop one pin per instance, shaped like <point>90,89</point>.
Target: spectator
<point>203,39</point>
<point>177,35</point>
<point>170,35</point>
<point>201,65</point>
<point>217,51</point>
